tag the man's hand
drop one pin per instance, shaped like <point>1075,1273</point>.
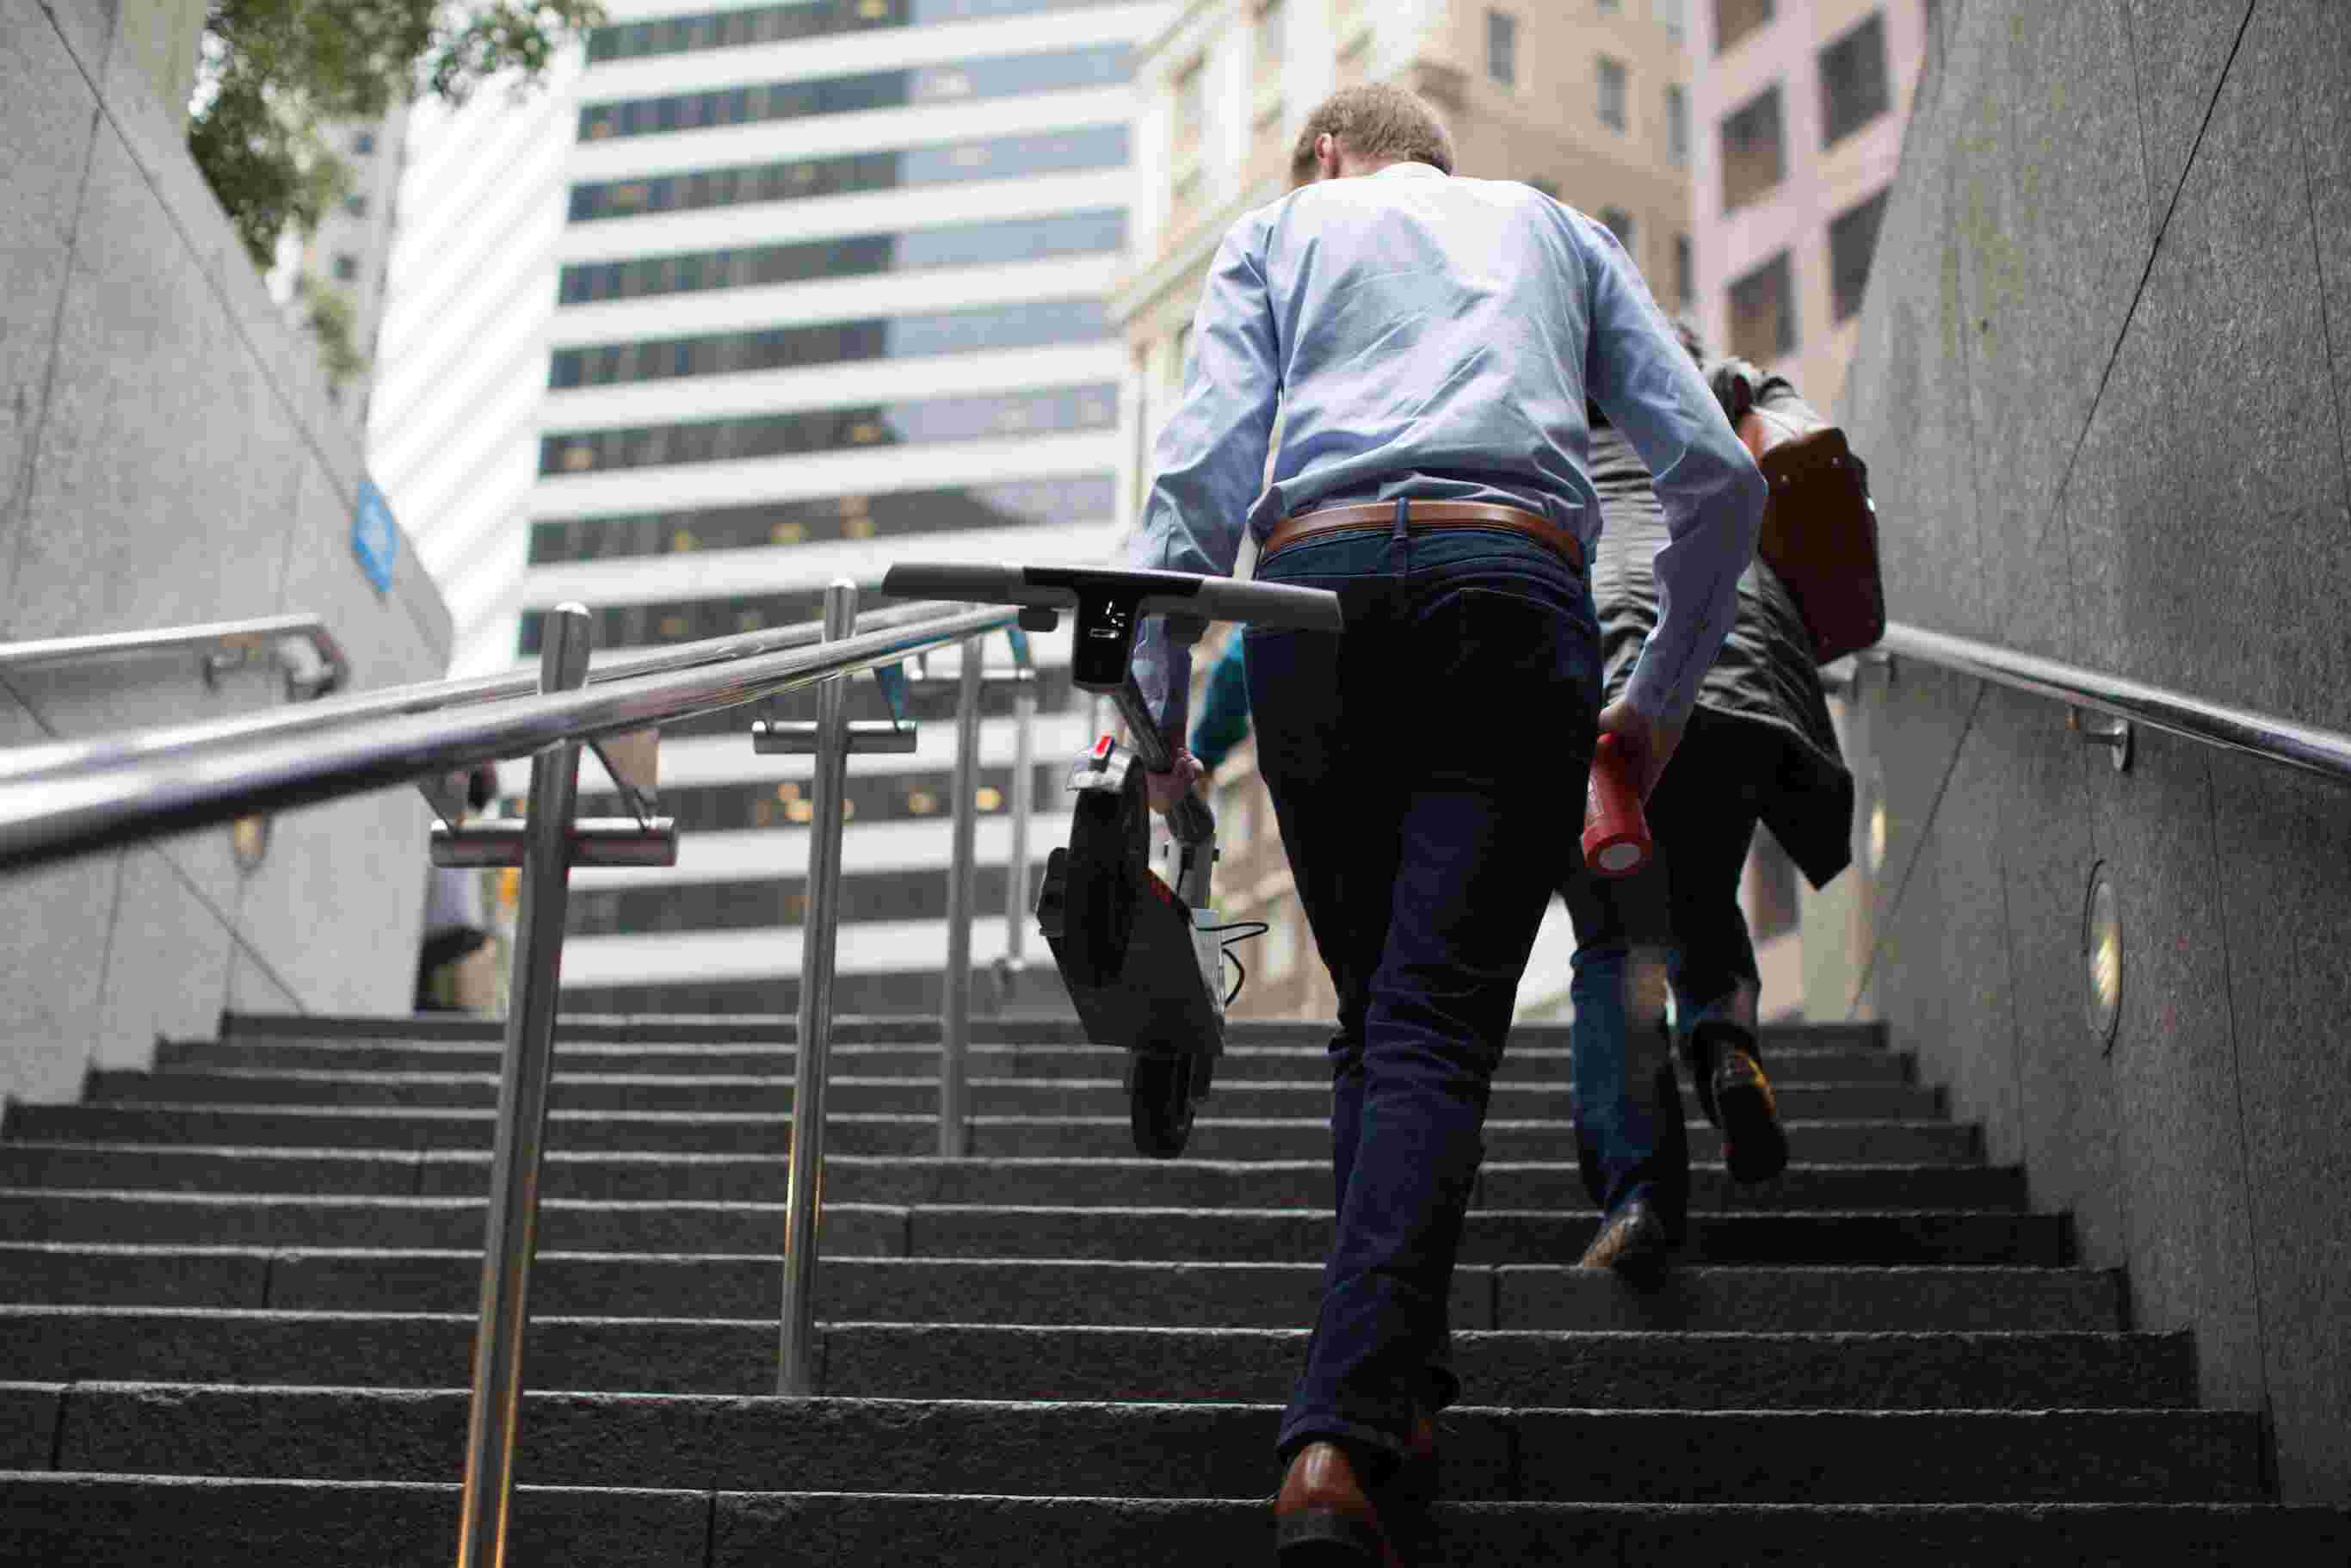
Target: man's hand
<point>1648,744</point>
<point>1165,789</point>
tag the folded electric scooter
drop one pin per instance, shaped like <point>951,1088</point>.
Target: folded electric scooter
<point>1142,955</point>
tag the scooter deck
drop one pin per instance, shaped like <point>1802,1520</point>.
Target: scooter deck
<point>1160,1002</point>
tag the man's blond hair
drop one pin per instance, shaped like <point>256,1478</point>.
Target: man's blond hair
<point>1378,123</point>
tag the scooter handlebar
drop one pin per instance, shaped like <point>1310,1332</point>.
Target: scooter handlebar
<point>1152,592</point>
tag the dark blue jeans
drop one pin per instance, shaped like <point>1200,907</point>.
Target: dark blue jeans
<point>1427,767</point>
<point>1675,927</point>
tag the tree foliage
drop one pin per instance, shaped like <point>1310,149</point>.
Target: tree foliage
<point>275,72</point>
<point>327,311</point>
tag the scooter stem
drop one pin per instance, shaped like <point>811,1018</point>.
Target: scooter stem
<point>1190,822</point>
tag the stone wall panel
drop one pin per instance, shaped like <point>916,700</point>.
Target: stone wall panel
<point>167,964</point>
<point>45,107</point>
<point>187,461</point>
<point>2288,973</point>
<point>2182,1144</point>
<point>2066,1132</point>
<point>2228,563</point>
<point>2178,50</point>
<point>2054,246</point>
<point>111,541</point>
<point>1913,423</point>
<point>2318,37</point>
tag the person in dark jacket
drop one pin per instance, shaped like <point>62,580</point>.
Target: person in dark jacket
<point>1760,748</point>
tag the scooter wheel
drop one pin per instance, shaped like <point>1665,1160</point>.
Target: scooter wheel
<point>1163,1099</point>
<point>1110,850</point>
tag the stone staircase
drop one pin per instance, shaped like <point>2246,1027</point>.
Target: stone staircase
<point>239,1292</point>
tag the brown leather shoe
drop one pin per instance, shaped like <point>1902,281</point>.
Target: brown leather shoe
<point>1737,1095</point>
<point>1324,1517</point>
<point>1635,1244</point>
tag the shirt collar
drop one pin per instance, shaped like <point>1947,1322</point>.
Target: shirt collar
<point>1411,167</point>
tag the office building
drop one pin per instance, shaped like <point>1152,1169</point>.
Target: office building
<point>825,289</point>
<point>1801,108</point>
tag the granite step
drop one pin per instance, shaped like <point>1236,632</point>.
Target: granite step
<point>1620,1371</point>
<point>990,1137</point>
<point>1759,1297</point>
<point>1240,1064</point>
<point>1010,1028</point>
<point>1035,1448</point>
<point>1074,1097</point>
<point>854,1178</point>
<point>115,1521</point>
<point>975,1230</point>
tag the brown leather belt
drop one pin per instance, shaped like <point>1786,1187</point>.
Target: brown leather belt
<point>1380,515</point>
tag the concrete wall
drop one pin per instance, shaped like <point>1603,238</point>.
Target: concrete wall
<point>168,456</point>
<point>2104,382</point>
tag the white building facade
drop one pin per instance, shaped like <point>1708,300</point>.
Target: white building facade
<point>823,287</point>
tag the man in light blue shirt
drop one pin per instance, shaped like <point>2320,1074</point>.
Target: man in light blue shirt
<point>1431,342</point>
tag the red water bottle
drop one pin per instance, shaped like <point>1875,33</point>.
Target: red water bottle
<point>1616,840</point>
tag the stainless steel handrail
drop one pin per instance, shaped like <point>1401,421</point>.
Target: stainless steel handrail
<point>2308,747</point>
<point>48,813</point>
<point>56,802</point>
<point>431,697</point>
<point>219,636</point>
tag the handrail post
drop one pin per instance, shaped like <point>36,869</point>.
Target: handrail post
<point>1024,801</point>
<point>510,1235</point>
<point>954,1012</point>
<point>796,1359</point>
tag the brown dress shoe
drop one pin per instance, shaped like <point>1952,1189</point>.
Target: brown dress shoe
<point>1324,1517</point>
<point>1635,1244</point>
<point>1736,1093</point>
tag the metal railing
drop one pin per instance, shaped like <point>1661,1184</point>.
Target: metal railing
<point>2307,747</point>
<point>64,799</point>
<point>225,645</point>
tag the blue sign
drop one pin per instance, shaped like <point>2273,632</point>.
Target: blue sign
<point>375,538</point>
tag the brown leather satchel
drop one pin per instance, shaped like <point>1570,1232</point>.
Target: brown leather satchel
<point>1820,530</point>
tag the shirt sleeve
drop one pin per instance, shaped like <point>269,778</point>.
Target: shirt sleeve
<point>1209,460</point>
<point>1710,490</point>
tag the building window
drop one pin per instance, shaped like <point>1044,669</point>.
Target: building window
<point>1678,125</point>
<point>1734,19</point>
<point>912,422</point>
<point>1753,155</point>
<point>1620,224</point>
<point>1685,272</point>
<point>1032,324</point>
<point>1271,25</point>
<point>1853,240</point>
<point>1853,86</point>
<point>1093,233</point>
<point>1191,109</point>
<point>356,205</point>
<point>1669,14</point>
<point>1010,76</point>
<point>363,143</point>
<point>1502,47</point>
<point>997,158</point>
<point>1611,93</point>
<point>1608,7</point>
<point>1763,312</point>
<point>346,268</point>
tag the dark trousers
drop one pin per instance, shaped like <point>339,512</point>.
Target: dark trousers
<point>1427,768</point>
<point>1675,927</point>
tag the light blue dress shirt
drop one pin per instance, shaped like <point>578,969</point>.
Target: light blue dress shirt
<point>1435,337</point>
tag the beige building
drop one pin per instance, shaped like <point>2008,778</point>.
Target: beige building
<point>1588,99</point>
<point>1801,106</point>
